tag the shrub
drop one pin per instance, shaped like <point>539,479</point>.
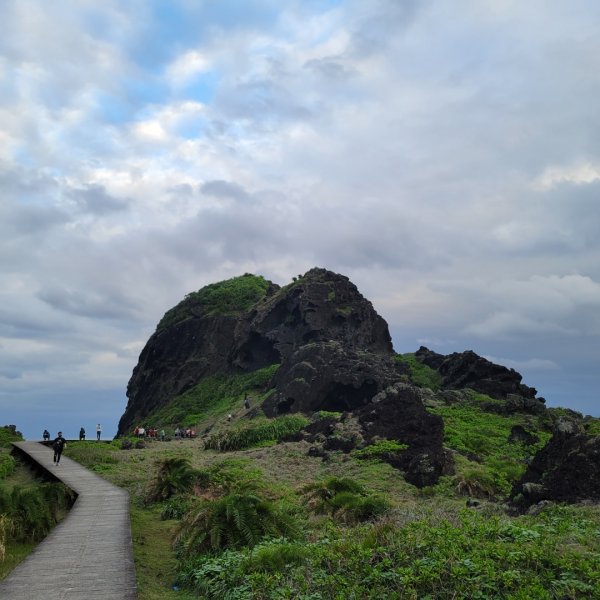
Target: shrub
<point>344,499</point>
<point>9,434</point>
<point>7,465</point>
<point>33,511</point>
<point>251,435</point>
<point>233,521</point>
<point>174,476</point>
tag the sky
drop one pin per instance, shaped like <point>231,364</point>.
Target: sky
<point>443,154</point>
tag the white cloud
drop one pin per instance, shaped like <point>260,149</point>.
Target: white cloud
<point>187,66</point>
<point>579,174</point>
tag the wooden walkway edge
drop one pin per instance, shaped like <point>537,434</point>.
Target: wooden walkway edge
<point>88,555</point>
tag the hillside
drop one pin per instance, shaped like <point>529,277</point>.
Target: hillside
<point>348,472</point>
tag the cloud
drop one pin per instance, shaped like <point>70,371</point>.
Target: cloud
<point>444,156</point>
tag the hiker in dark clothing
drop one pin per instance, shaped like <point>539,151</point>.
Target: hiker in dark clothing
<point>246,402</point>
<point>81,434</point>
<point>46,435</point>
<point>58,444</point>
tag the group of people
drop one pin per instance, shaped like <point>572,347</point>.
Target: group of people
<point>180,432</point>
<point>151,432</point>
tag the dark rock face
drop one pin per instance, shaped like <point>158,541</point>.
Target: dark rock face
<point>467,369</point>
<point>397,413</point>
<point>329,376</point>
<point>519,434</point>
<point>321,307</point>
<point>567,469</point>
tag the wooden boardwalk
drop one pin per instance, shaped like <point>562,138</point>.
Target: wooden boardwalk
<point>88,556</point>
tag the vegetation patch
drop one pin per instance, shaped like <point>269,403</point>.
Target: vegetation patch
<point>270,430</point>
<point>380,449</point>
<point>473,556</point>
<point>9,434</point>
<point>420,374</point>
<point>492,463</point>
<point>231,297</point>
<point>213,397</point>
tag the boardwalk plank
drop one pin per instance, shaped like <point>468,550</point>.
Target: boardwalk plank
<point>89,555</point>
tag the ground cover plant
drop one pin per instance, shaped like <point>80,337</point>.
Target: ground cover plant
<point>29,509</point>
<point>230,297</point>
<point>425,544</point>
<point>489,463</point>
<point>212,399</point>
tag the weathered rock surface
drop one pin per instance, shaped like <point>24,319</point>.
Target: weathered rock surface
<point>330,376</point>
<point>398,413</point>
<point>320,307</point>
<point>567,469</point>
<point>467,369</point>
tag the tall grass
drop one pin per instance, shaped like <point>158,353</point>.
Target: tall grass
<point>31,512</point>
<point>251,435</point>
<point>7,465</point>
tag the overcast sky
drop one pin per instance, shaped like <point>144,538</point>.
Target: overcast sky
<point>443,154</point>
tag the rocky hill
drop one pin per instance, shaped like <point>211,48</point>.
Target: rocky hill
<point>318,347</point>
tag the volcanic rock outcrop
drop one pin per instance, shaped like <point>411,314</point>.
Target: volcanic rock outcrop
<point>320,308</point>
<point>567,469</point>
<point>467,369</point>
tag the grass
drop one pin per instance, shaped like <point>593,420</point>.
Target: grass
<point>226,298</point>
<point>17,548</point>
<point>420,374</point>
<point>484,436</point>
<point>256,432</point>
<point>213,398</point>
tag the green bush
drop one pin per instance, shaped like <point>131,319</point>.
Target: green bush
<point>236,520</point>
<point>7,465</point>
<point>9,434</point>
<point>33,511</point>
<point>174,476</point>
<point>344,499</point>
<point>253,434</point>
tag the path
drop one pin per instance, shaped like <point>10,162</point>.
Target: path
<point>88,556</point>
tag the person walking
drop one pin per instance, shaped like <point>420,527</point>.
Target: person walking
<point>246,401</point>
<point>46,435</point>
<point>58,445</point>
<point>81,434</point>
<point>98,431</point>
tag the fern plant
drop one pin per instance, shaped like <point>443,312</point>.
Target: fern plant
<point>174,476</point>
<point>233,521</point>
<point>344,499</point>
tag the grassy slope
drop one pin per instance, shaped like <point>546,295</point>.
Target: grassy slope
<point>432,545</point>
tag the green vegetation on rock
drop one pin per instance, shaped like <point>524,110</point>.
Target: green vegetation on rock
<point>420,374</point>
<point>490,462</point>
<point>213,397</point>
<point>231,297</point>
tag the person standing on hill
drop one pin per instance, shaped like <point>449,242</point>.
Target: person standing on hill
<point>58,445</point>
<point>98,431</point>
<point>46,435</point>
<point>81,434</point>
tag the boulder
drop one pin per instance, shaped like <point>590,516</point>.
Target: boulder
<point>567,469</point>
<point>397,413</point>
